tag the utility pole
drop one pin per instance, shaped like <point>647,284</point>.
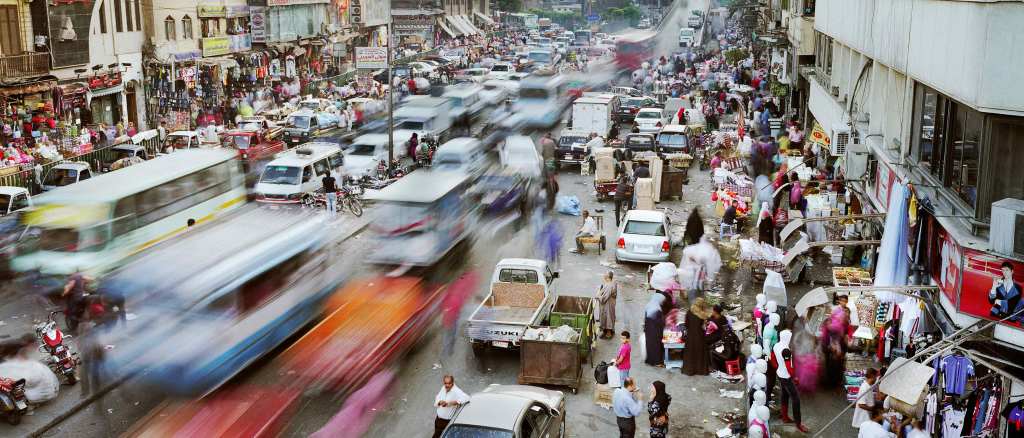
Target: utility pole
<point>391,99</point>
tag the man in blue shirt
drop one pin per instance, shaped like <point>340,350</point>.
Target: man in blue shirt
<point>626,405</point>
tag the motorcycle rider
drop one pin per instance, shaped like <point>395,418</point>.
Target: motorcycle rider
<point>74,300</point>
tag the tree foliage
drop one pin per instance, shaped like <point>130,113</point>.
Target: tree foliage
<point>510,5</point>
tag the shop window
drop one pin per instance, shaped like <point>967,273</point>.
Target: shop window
<point>118,26</point>
<point>103,17</point>
<point>238,25</point>
<point>186,27</point>
<point>169,31</point>
<point>964,153</point>
<point>808,7</point>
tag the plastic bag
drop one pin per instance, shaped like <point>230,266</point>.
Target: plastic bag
<point>663,277</point>
<point>569,205</point>
<point>601,373</point>
<point>41,385</point>
<point>614,380</point>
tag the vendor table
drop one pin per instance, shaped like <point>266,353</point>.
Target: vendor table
<point>669,348</point>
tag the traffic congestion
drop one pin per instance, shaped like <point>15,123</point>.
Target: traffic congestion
<point>537,210</point>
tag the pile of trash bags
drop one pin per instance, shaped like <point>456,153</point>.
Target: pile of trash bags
<point>560,334</point>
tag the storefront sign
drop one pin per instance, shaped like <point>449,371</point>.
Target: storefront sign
<point>819,136</point>
<point>216,46</point>
<point>69,32</point>
<point>948,271</point>
<point>978,295</point>
<point>375,12</point>
<point>212,11</point>
<point>371,57</point>
<point>294,2</point>
<point>413,29</point>
<point>237,11</point>
<point>258,24</point>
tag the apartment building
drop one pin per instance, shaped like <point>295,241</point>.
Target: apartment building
<point>927,92</point>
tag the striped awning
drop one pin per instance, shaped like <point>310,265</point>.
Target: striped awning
<point>487,20</point>
<point>447,30</point>
<point>455,25</point>
<point>468,25</point>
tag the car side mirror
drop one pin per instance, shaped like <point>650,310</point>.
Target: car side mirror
<point>554,412</point>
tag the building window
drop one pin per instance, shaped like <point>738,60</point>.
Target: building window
<point>211,27</point>
<point>128,16</point>
<point>808,8</point>
<point>238,25</point>
<point>169,29</point>
<point>103,17</point>
<point>138,14</point>
<point>947,142</point>
<point>1006,134</point>
<point>186,28</point>
<point>118,16</point>
<point>823,53</point>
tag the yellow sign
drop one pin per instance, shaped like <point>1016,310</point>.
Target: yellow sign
<point>819,136</point>
<point>67,216</point>
<point>214,46</point>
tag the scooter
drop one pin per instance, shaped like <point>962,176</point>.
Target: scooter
<point>13,404</point>
<point>61,360</point>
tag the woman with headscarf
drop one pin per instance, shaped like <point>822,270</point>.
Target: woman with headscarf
<point>654,328</point>
<point>606,296</point>
<point>696,360</point>
<point>766,225</point>
<point>833,345</point>
<point>694,227</point>
<point>657,409</point>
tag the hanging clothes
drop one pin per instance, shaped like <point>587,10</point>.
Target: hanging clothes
<point>931,408</point>
<point>952,421</point>
<point>1014,415</point>
<point>956,369</point>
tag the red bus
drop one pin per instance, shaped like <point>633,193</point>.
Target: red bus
<point>634,49</point>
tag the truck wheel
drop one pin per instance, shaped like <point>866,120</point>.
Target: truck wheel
<point>479,349</point>
<point>14,418</point>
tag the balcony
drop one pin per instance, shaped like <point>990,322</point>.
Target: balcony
<point>24,65</point>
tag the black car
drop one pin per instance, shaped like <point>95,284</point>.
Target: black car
<point>640,142</point>
<point>571,148</point>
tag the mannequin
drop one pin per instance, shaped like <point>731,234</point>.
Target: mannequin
<point>759,399</point>
<point>756,431</point>
<point>757,383</point>
<point>758,315</point>
<point>761,416</point>
<point>782,359</point>
<point>756,351</point>
<point>751,368</point>
<point>770,339</point>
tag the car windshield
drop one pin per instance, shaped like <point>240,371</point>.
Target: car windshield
<point>533,93</point>
<point>500,68</point>
<point>634,102</point>
<point>72,239</point>
<point>467,431</point>
<point>644,228</point>
<point>239,141</point>
<point>61,177</point>
<point>362,149</point>
<point>673,139</point>
<point>411,125</point>
<point>571,140</point>
<point>301,122</point>
<point>122,153</point>
<point>286,175</point>
<point>540,56</point>
<point>639,142</point>
<point>648,115</point>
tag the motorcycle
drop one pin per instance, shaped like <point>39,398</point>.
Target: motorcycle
<point>349,197</point>
<point>61,360</point>
<point>13,404</point>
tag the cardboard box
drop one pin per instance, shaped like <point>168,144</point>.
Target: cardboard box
<point>603,396</point>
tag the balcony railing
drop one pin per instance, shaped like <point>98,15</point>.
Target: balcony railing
<point>24,65</point>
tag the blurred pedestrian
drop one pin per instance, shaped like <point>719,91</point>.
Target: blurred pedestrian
<point>654,327</point>
<point>607,293</point>
<point>627,406</point>
<point>694,227</point>
<point>74,300</point>
<point>455,298</point>
<point>696,358</point>
<point>657,410</point>
<point>622,198</point>
<point>448,399</point>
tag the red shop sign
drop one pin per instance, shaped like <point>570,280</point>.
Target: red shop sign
<point>980,273</point>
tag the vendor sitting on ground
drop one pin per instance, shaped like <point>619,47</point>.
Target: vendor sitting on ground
<point>589,229</point>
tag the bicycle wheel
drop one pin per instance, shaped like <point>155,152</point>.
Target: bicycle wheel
<point>355,206</point>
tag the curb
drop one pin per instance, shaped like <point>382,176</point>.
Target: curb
<point>82,403</point>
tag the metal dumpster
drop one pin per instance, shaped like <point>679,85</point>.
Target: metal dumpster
<point>578,313</point>
<point>543,362</point>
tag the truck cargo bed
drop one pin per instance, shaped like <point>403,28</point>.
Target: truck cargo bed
<point>521,315</point>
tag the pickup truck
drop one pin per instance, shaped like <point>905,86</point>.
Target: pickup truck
<point>521,295</point>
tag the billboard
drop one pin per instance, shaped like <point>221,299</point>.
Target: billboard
<point>371,57</point>
<point>983,293</point>
<point>69,32</point>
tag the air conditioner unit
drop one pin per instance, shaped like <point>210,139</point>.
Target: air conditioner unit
<point>1007,233</point>
<point>856,159</point>
<point>840,140</point>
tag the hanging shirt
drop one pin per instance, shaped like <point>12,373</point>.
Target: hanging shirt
<point>870,429</point>
<point>956,369</point>
<point>863,416</point>
<point>931,408</point>
<point>952,422</point>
